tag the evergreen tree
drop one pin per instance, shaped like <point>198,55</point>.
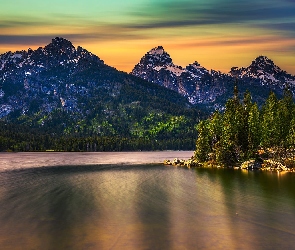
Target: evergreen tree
<point>215,132</point>
<point>270,133</point>
<point>285,113</point>
<point>254,135</point>
<point>230,147</point>
<point>291,135</point>
<point>237,134</point>
<point>202,144</point>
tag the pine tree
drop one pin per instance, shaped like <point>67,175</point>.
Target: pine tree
<point>215,131</point>
<point>254,134</point>
<point>270,133</point>
<point>285,113</point>
<point>230,147</point>
<point>202,145</point>
<point>291,135</point>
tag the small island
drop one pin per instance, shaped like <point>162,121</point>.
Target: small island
<point>246,136</point>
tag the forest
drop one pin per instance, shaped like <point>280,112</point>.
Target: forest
<point>226,138</point>
<point>153,132</point>
<point>244,130</point>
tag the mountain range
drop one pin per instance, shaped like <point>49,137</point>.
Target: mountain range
<point>202,86</point>
<point>66,90</point>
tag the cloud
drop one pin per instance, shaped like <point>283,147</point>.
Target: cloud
<point>274,17</point>
<point>175,14</point>
<point>52,20</point>
<point>274,41</point>
<point>284,27</point>
<point>42,39</point>
<point>18,23</point>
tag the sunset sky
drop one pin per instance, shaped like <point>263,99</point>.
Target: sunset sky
<point>218,34</point>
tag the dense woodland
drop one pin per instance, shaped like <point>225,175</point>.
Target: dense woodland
<point>141,116</point>
<point>154,131</point>
<point>243,129</point>
<point>225,138</point>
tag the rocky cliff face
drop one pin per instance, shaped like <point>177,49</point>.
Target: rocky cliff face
<point>263,71</point>
<point>202,86</point>
<point>68,90</point>
<point>48,75</point>
<point>60,76</point>
<point>194,81</point>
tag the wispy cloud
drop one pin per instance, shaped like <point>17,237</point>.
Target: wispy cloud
<point>283,27</point>
<point>272,15</point>
<point>234,26</point>
<point>175,14</point>
<point>42,39</point>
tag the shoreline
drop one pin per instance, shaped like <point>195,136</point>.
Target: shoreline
<point>264,165</point>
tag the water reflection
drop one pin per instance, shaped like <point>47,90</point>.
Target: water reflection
<point>43,209</point>
<point>145,207</point>
<point>153,210</point>
<point>259,207</point>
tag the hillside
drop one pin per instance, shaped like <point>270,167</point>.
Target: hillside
<point>66,91</point>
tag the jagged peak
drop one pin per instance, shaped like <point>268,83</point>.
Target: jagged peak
<point>262,59</point>
<point>196,67</point>
<point>60,42</point>
<point>195,63</point>
<point>156,57</point>
<point>264,63</point>
<point>157,51</point>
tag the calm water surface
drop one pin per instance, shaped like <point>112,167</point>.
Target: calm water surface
<point>119,201</point>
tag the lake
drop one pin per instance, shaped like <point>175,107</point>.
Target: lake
<point>131,201</point>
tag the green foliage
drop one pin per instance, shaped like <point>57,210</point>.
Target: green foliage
<point>270,133</point>
<point>242,129</point>
<point>22,138</point>
<point>254,130</point>
<point>161,126</point>
<point>203,148</point>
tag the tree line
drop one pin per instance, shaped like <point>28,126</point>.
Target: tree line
<point>20,138</point>
<point>243,128</point>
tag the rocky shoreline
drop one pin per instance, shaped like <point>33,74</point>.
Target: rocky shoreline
<point>263,165</point>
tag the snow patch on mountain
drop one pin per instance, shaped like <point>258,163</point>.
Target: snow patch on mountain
<point>176,70</point>
<point>192,81</point>
<point>200,85</point>
<point>40,71</point>
<point>157,51</point>
<point>266,72</point>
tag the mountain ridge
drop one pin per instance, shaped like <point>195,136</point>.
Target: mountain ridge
<point>202,86</point>
<point>63,91</point>
<point>67,91</point>
<point>42,71</point>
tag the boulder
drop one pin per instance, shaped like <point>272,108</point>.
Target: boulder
<point>251,164</point>
<point>167,162</point>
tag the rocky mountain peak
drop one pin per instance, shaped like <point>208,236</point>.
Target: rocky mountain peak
<point>156,57</point>
<point>192,81</point>
<point>264,71</point>
<point>195,66</point>
<point>157,51</point>
<point>60,42</point>
<point>265,64</point>
<point>59,46</point>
